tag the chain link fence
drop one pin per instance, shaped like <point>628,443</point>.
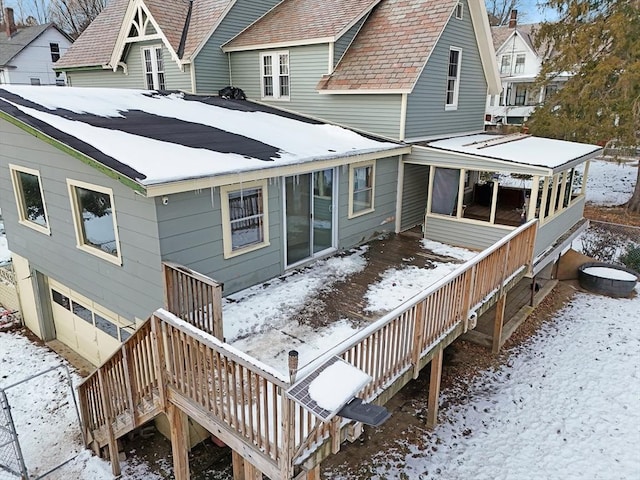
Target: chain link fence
<point>11,461</point>
<point>612,243</point>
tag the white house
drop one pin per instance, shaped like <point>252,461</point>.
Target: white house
<point>519,62</point>
<point>27,54</point>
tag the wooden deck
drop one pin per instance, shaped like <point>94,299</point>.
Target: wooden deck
<point>346,298</point>
<point>176,364</point>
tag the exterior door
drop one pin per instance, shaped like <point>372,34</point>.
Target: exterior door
<point>309,200</point>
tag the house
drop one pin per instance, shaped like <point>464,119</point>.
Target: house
<point>519,61</point>
<point>116,202</point>
<point>404,69</point>
<point>27,54</point>
<point>159,44</point>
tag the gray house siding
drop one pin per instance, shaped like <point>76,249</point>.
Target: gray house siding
<point>426,115</point>
<point>211,64</point>
<point>345,40</point>
<point>133,289</point>
<point>415,191</point>
<point>558,226</point>
<point>190,229</point>
<point>175,79</point>
<point>359,229</point>
<point>463,234</point>
<point>379,114</point>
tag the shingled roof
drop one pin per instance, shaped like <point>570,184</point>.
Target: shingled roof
<point>393,46</point>
<point>96,44</point>
<point>301,21</point>
<point>501,34</point>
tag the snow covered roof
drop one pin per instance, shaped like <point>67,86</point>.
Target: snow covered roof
<point>551,155</point>
<point>157,138</point>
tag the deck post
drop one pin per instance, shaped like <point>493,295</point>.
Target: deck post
<point>434,388</point>
<point>113,443</point>
<point>178,422</point>
<point>498,324</point>
<point>238,465</point>
<point>313,474</point>
<point>418,338</point>
<point>251,472</point>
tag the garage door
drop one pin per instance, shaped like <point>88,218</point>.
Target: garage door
<point>84,326</point>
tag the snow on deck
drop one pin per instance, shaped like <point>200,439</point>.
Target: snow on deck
<point>314,309</point>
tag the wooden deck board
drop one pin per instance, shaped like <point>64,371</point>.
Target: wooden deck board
<point>391,251</point>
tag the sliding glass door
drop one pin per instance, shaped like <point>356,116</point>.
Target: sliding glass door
<point>309,200</point>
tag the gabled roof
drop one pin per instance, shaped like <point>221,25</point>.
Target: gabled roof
<point>11,47</point>
<point>97,44</point>
<point>503,33</point>
<point>154,141</point>
<point>300,22</point>
<point>393,46</point>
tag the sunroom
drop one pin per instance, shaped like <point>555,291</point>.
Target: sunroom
<point>481,187</point>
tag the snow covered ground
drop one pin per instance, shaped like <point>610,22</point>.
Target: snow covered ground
<point>566,406</point>
<point>610,183</point>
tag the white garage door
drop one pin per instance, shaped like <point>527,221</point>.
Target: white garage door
<point>86,327</point>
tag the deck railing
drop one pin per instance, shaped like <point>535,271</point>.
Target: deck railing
<point>194,297</point>
<point>394,344</point>
<point>169,361</point>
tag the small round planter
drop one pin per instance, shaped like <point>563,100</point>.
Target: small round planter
<point>607,279</point>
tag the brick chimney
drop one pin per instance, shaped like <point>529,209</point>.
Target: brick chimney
<point>513,20</point>
<point>9,23</point>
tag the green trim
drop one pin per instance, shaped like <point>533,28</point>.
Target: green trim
<point>73,153</point>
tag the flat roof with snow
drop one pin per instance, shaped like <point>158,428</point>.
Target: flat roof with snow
<point>156,138</point>
<point>546,153</point>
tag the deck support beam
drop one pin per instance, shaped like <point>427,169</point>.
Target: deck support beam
<point>178,422</point>
<point>434,388</point>
<point>498,323</point>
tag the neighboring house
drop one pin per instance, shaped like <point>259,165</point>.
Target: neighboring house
<point>27,54</point>
<point>160,44</point>
<point>405,69</point>
<point>519,63</point>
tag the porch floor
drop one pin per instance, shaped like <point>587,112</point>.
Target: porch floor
<point>315,308</point>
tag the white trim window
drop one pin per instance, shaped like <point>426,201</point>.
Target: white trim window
<point>519,66</point>
<point>459,10</point>
<point>245,220</point>
<point>27,187</point>
<point>453,78</point>
<point>274,75</point>
<point>505,65</point>
<point>94,220</point>
<point>361,188</point>
<point>153,64</point>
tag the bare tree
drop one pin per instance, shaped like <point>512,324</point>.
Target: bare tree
<point>500,10</point>
<point>74,16</point>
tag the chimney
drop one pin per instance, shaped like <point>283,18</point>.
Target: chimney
<point>513,20</point>
<point>9,23</point>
